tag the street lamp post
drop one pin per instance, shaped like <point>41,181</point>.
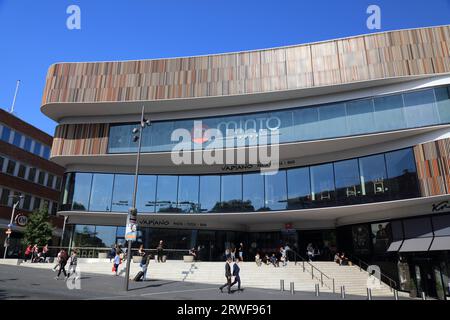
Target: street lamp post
<point>11,222</point>
<point>132,212</point>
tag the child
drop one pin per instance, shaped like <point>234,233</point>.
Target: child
<point>116,263</point>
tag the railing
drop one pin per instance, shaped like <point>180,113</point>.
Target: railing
<point>364,266</point>
<point>331,282</point>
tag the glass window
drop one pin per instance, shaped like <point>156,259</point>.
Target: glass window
<point>332,120</point>
<point>36,203</point>
<point>2,161</point>
<point>11,167</point>
<point>348,182</point>
<point>58,183</point>
<point>32,174</point>
<point>253,192</point>
<point>360,117</point>
<point>209,193</point>
<point>420,108</point>
<point>306,124</point>
<point>26,202</point>
<point>17,139</point>
<point>401,171</point>
<point>84,236</point>
<point>389,113</point>
<point>443,103</point>
<point>105,236</point>
<point>123,192</point>
<point>50,181</point>
<point>37,148</point>
<point>6,133</point>
<point>283,121</point>
<point>161,132</point>
<point>46,153</point>
<point>81,185</point>
<point>27,144</point>
<point>299,188</point>
<point>21,172</point>
<point>275,191</point>
<point>41,178</point>
<point>322,184</point>
<point>231,193</point>
<point>166,194</point>
<point>146,193</point>
<point>5,196</point>
<point>121,139</point>
<point>101,192</point>
<point>188,193</point>
<point>373,178</point>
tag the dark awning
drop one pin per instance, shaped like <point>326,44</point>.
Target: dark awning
<point>397,236</point>
<point>441,226</point>
<point>418,235</point>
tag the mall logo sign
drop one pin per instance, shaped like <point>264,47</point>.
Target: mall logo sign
<point>242,144</point>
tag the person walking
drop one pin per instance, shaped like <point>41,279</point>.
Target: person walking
<point>44,252</point>
<point>34,252</point>
<point>58,260</point>
<point>116,263</point>
<point>62,263</point>
<point>310,251</point>
<point>237,278</point>
<point>227,275</point>
<point>144,261</point>
<point>72,263</point>
<point>160,251</point>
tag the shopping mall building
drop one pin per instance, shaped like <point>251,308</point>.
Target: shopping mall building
<point>363,125</point>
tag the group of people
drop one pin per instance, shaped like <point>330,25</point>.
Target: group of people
<point>34,254</point>
<point>341,259</point>
<point>234,253</point>
<point>274,259</point>
<point>62,260</point>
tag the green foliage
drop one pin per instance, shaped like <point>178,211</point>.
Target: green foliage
<point>38,229</point>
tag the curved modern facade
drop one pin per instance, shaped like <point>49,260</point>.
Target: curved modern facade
<point>361,126</point>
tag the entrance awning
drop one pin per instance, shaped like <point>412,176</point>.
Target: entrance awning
<point>440,243</point>
<point>418,235</point>
<point>441,226</point>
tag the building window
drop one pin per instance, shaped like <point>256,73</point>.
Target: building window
<point>50,181</point>
<point>26,202</point>
<point>11,167</point>
<point>46,153</point>
<point>6,133</point>
<point>41,178</point>
<point>37,148</point>
<point>275,191</point>
<point>360,116</point>
<point>27,144</point>
<point>188,188</point>
<point>166,194</point>
<point>4,199</point>
<point>32,174</point>
<point>253,192</point>
<point>80,189</point>
<point>146,193</point>
<point>58,183</point>
<point>2,161</point>
<point>299,188</point>
<point>322,185</point>
<point>402,174</point>
<point>21,172</point>
<point>101,192</point>
<point>231,193</point>
<point>37,203</point>
<point>209,193</point>
<point>17,139</point>
<point>348,181</point>
<point>122,192</point>
<point>420,108</point>
<point>374,185</point>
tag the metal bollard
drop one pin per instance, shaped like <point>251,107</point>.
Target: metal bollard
<point>292,288</point>
<point>343,292</point>
<point>317,290</point>
<point>395,294</point>
<point>281,285</point>
<point>424,297</point>
<point>369,294</point>
<point>334,289</point>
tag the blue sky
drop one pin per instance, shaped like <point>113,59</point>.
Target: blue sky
<point>33,33</point>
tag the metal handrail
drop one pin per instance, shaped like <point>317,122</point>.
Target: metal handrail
<point>322,274</point>
<point>360,261</point>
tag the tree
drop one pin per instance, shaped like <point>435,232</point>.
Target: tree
<point>38,229</point>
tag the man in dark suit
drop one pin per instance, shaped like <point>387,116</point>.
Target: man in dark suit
<point>237,278</point>
<point>227,275</point>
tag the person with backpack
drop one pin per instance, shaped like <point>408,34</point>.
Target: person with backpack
<point>62,263</point>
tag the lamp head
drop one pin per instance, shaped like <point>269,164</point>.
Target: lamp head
<point>135,130</point>
<point>135,138</point>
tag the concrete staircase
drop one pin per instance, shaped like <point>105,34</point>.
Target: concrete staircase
<point>265,276</point>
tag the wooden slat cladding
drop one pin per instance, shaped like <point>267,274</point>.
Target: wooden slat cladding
<point>433,167</point>
<point>368,57</point>
<point>80,139</point>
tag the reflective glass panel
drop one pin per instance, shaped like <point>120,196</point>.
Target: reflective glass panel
<point>101,192</point>
<point>420,108</point>
<point>276,194</point>
<point>389,113</point>
<point>105,236</point>
<point>27,145</point>
<point>231,193</point>
<point>166,194</point>
<point>348,182</point>
<point>17,139</point>
<point>401,171</point>
<point>209,193</point>
<point>306,123</point>
<point>374,186</point>
<point>299,188</point>
<point>360,116</point>
<point>443,103</point>
<point>322,184</point>
<point>146,193</point>
<point>253,192</point>
<point>81,191</point>
<point>121,139</point>
<point>6,133</point>
<point>123,192</point>
<point>188,193</point>
<point>332,120</point>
